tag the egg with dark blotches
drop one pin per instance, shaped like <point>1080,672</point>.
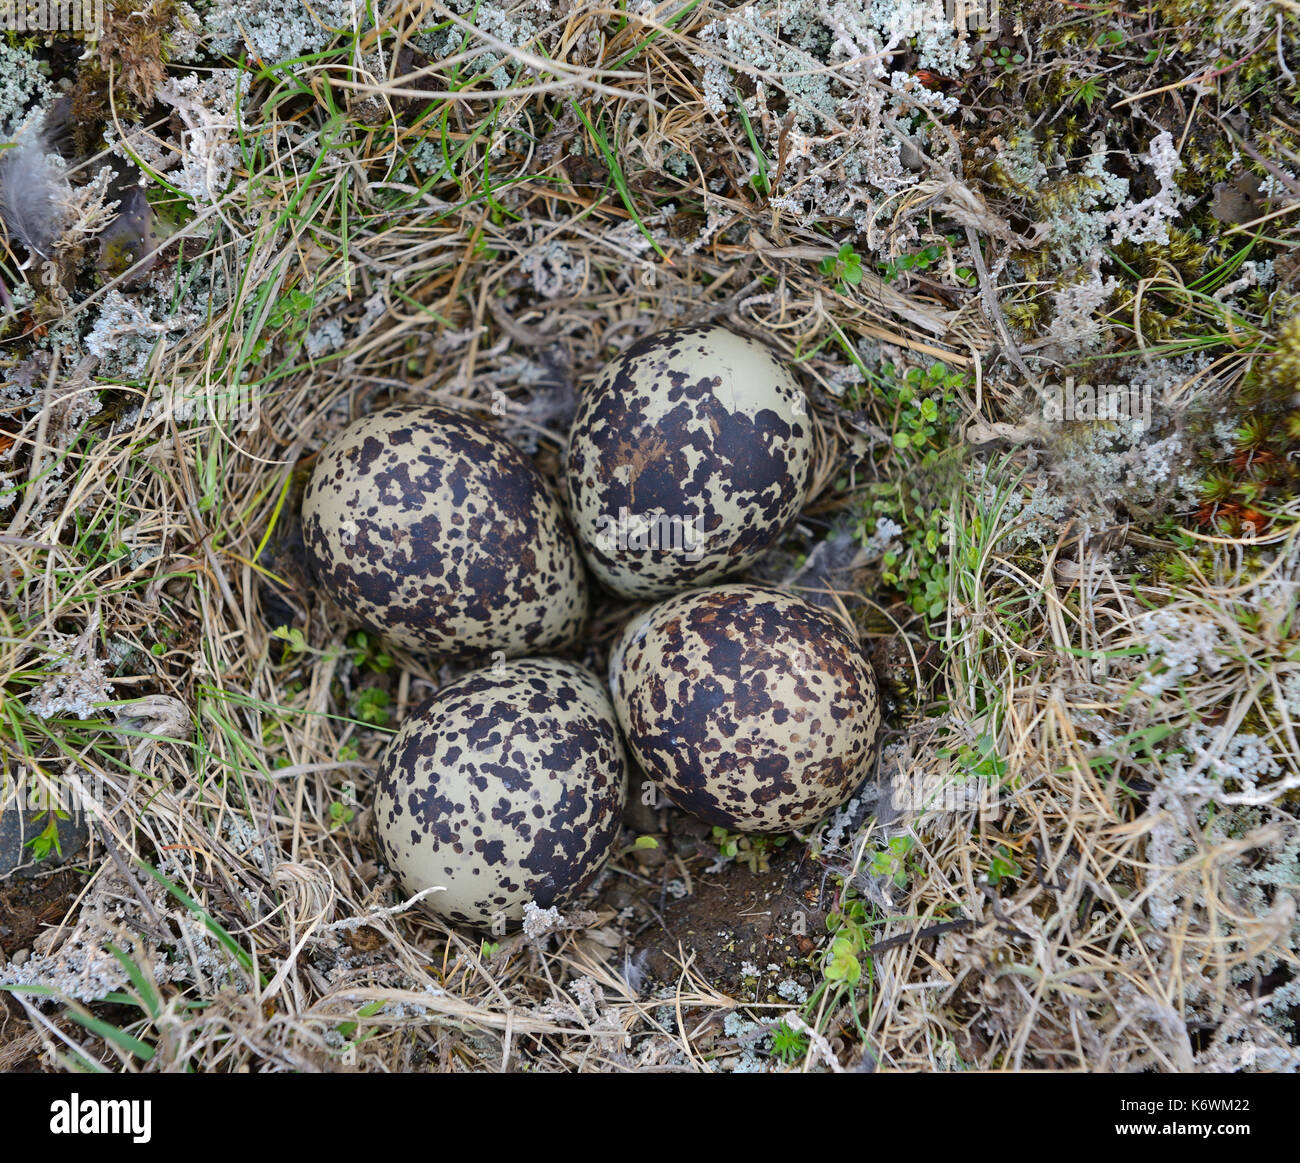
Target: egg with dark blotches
<point>508,786</point>
<point>747,706</point>
<point>436,531</point>
<point>688,459</point>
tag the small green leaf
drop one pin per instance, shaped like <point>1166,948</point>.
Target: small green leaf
<point>843,964</point>
<point>1003,866</point>
<point>144,987</point>
<point>111,1033</point>
<point>48,840</point>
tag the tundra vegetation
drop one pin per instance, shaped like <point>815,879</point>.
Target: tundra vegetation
<point>230,227</point>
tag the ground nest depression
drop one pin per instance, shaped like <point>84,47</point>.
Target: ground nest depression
<point>1036,274</point>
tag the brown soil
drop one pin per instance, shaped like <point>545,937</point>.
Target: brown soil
<point>28,907</point>
<point>734,917</point>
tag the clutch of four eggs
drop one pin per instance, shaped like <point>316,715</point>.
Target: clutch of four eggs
<point>688,458</point>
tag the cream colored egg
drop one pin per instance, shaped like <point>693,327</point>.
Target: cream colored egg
<point>506,787</point>
<point>750,708</point>
<point>436,531</point>
<point>689,457</point>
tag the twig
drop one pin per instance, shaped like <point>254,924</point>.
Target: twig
<point>991,306</point>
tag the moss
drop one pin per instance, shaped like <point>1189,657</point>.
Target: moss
<point>1282,373</point>
<point>90,108</point>
<point>1029,314</point>
<point>1186,252</point>
<point>133,45</point>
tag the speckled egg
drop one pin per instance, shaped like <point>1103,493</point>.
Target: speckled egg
<point>434,530</point>
<point>506,787</point>
<point>747,706</point>
<point>690,456</point>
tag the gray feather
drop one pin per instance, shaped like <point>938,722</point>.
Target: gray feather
<point>33,191</point>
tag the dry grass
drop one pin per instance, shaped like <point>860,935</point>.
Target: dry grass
<point>149,561</point>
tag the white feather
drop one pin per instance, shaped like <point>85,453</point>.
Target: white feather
<point>33,191</point>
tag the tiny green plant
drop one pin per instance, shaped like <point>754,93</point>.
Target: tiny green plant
<point>920,396</point>
<point>727,844</point>
<point>751,851</point>
<point>1003,866</point>
<point>979,758</point>
<point>47,840</point>
<point>340,815</point>
<point>1086,92</point>
<point>916,500</point>
<point>349,1029</point>
<point>844,267</point>
<point>367,654</point>
<point>893,861</point>
<point>842,963</point>
<point>923,260</point>
<point>372,706</point>
<point>920,260</point>
<point>293,638</point>
<point>1005,59</point>
<point>788,1045</point>
<point>845,965</point>
<point>759,182</point>
<point>288,320</point>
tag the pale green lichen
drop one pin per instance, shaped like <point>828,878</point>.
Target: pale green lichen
<point>23,86</point>
<point>274,33</point>
<point>828,69</point>
<point>210,107</point>
<point>1081,468</point>
<point>518,26</point>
